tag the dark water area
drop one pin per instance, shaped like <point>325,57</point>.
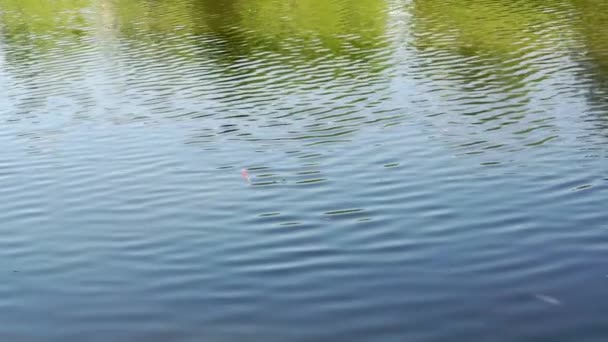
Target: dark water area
<point>425,170</point>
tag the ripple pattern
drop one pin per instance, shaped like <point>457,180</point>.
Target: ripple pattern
<point>366,170</point>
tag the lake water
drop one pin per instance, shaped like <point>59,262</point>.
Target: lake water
<point>425,170</point>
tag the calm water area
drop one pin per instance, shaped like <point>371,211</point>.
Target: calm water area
<point>303,170</point>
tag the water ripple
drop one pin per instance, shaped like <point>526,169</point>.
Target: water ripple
<point>367,170</point>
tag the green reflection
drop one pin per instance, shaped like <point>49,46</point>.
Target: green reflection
<point>33,26</point>
<point>492,28</point>
<point>593,16</point>
<point>313,26</point>
<point>489,46</point>
<point>42,18</point>
<point>307,29</point>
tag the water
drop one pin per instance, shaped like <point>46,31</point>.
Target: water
<point>427,170</point>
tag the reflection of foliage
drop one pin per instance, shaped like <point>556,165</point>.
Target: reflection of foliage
<point>480,27</point>
<point>140,18</point>
<point>489,44</point>
<point>593,16</point>
<point>246,25</point>
<point>332,23</point>
<point>42,22</point>
<point>312,27</point>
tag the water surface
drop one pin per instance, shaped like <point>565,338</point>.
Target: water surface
<point>425,170</point>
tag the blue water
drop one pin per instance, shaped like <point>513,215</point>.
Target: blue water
<point>406,184</point>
